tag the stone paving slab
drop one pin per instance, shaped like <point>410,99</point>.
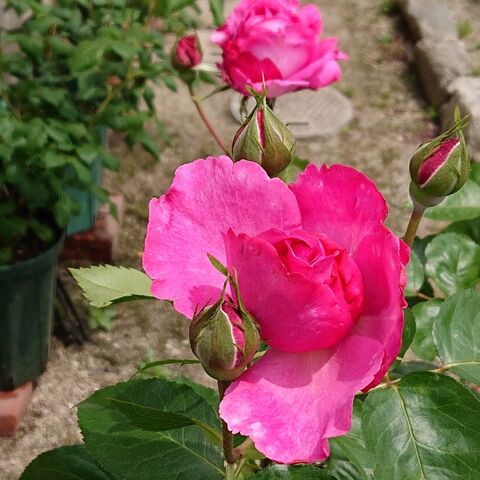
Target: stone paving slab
<point>429,18</point>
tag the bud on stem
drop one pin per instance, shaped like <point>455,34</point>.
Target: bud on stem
<point>440,166</point>
<point>225,338</point>
<point>264,139</point>
<point>186,53</point>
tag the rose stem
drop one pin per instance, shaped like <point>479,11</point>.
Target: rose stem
<point>198,106</point>
<point>227,437</point>
<point>415,218</point>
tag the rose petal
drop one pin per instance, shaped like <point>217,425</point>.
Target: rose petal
<point>207,197</point>
<point>339,202</point>
<point>289,404</point>
<point>295,313</point>
<point>382,260</point>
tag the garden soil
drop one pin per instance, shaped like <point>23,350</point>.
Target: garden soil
<point>391,119</point>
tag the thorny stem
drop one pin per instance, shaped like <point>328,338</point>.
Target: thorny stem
<point>211,129</point>
<point>227,438</point>
<point>414,222</point>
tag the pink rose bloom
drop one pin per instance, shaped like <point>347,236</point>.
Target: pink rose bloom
<point>277,40</point>
<point>318,270</point>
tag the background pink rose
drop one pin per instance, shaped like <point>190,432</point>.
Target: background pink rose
<point>277,40</point>
<point>318,270</point>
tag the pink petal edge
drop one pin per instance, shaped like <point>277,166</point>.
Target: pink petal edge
<point>206,198</point>
<point>289,404</point>
<point>340,202</point>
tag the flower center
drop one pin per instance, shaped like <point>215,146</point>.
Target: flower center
<point>330,269</point>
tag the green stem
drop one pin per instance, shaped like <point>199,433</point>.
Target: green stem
<point>203,116</point>
<point>414,222</point>
<point>228,452</point>
<point>449,366</point>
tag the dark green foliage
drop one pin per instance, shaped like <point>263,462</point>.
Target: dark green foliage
<point>72,69</point>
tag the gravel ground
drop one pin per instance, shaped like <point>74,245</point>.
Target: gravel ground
<point>390,121</point>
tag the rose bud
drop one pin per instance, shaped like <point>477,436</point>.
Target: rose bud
<point>264,139</point>
<point>439,167</point>
<point>186,53</point>
<point>114,80</point>
<point>225,338</point>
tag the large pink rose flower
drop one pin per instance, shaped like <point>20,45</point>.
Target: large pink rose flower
<point>279,41</point>
<point>318,270</point>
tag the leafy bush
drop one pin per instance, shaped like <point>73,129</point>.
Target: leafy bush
<point>73,68</point>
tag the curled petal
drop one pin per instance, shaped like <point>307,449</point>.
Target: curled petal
<point>289,404</point>
<point>382,261</point>
<point>207,197</point>
<point>341,203</point>
<point>295,313</point>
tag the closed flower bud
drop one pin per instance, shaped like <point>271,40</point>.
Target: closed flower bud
<point>439,167</point>
<point>225,338</point>
<point>264,139</point>
<point>186,53</point>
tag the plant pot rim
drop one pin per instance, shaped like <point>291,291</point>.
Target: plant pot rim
<point>33,264</point>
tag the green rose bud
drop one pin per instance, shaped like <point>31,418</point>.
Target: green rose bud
<point>439,167</point>
<point>225,338</point>
<point>264,139</point>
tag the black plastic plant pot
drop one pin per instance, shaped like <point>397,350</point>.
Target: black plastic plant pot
<point>27,294</point>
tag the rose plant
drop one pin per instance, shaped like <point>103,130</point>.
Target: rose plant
<point>310,269</point>
<point>302,303</point>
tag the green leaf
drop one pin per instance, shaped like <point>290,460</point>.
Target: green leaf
<point>149,144</point>
<point>65,463</point>
<point>404,368</point>
<point>470,228</point>
<point>425,428</point>
<point>425,314</point>
<point>209,394</point>
<point>415,275</point>
<point>343,470</point>
<point>54,159</point>
<point>155,419</point>
<point>456,332</point>
<point>88,153</point>
<point>408,333</point>
<point>106,284</point>
<point>134,453</point>
<point>453,261</point>
<point>124,49</point>
<point>286,472</point>
<point>32,45</point>
<point>353,447</point>
<point>475,172</point>
<point>216,9</point>
<point>108,160</point>
<point>87,55</point>
<point>462,205</point>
